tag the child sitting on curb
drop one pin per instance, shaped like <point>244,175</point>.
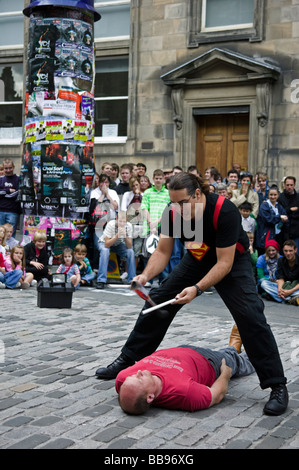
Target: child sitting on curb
<point>86,273</point>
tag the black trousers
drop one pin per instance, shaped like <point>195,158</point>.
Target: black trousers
<point>38,274</point>
<point>238,291</point>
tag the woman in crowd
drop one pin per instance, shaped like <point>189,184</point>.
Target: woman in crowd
<point>270,220</point>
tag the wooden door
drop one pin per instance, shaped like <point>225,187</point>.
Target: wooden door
<point>221,141</point>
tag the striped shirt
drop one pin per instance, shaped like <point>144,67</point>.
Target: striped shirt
<point>154,202</point>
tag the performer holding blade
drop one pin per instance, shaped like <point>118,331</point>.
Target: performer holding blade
<point>218,257</point>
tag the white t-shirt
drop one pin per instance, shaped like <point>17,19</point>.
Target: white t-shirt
<point>111,230</point>
<point>96,193</point>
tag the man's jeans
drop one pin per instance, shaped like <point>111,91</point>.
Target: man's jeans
<point>10,218</point>
<point>272,289</point>
<point>239,363</point>
<point>123,252</point>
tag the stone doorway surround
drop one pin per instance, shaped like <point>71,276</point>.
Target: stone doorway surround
<point>222,78</point>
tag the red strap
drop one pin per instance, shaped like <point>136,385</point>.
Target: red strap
<point>218,206</point>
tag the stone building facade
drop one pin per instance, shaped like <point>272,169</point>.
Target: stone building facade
<point>210,82</point>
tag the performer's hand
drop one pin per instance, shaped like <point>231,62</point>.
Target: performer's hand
<point>186,296</point>
<point>140,278</point>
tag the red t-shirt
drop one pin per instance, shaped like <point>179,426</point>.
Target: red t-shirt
<point>185,374</point>
<point>2,265</point>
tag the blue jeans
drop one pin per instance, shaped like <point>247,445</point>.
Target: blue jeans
<point>123,252</point>
<point>239,363</point>
<point>10,218</point>
<point>272,289</point>
<point>88,277</point>
<point>11,278</point>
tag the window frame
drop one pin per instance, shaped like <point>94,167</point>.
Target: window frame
<point>198,34</point>
<point>117,139</point>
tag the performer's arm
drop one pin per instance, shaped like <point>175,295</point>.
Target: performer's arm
<point>225,259</point>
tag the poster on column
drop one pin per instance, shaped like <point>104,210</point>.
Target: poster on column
<point>54,129</point>
<point>60,80</point>
<point>30,174</point>
<point>61,175</point>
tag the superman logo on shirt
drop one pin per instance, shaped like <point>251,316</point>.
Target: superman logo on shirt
<point>198,250</point>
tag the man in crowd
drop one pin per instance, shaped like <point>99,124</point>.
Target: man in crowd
<point>289,199</point>
<point>288,274</point>
<point>245,193</point>
<point>154,201</point>
<point>9,191</point>
<point>232,177</point>
<point>125,175</point>
<point>117,237</point>
<point>141,169</point>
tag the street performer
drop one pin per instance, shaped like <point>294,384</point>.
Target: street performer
<point>217,257</point>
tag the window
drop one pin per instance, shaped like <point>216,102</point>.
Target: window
<point>227,14</point>
<point>115,20</point>
<point>11,104</point>
<point>11,23</point>
<point>225,20</point>
<point>11,73</point>
<point>111,98</point>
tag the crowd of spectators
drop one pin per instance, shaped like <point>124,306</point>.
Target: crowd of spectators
<point>125,209</point>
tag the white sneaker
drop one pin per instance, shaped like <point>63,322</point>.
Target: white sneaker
<point>33,283</point>
<point>18,285</point>
<point>124,276</point>
<point>25,285</point>
<point>2,286</point>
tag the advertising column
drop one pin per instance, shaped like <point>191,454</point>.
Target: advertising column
<point>58,144</point>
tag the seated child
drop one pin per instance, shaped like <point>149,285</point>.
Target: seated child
<point>2,272</point>
<point>4,248</point>
<point>37,257</point>
<point>69,267</point>
<point>86,273</point>
<point>10,240</point>
<point>15,273</point>
<point>248,223</point>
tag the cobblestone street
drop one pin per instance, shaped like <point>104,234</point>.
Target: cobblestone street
<point>50,398</point>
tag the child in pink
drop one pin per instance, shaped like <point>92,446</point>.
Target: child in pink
<point>15,274</point>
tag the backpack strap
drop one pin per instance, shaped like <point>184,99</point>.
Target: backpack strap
<point>218,206</point>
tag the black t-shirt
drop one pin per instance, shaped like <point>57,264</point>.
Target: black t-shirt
<point>202,239</point>
<point>285,272</point>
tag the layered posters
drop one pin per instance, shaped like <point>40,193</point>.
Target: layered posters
<point>58,157</point>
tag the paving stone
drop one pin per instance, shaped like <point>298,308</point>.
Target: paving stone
<point>109,434</point>
<point>122,444</point>
<point>9,402</point>
<point>18,421</point>
<point>59,351</point>
<point>31,442</point>
<point>58,444</point>
<point>46,421</point>
<point>270,443</point>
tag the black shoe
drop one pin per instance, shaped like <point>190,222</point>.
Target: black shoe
<point>100,285</point>
<point>278,401</point>
<point>111,371</point>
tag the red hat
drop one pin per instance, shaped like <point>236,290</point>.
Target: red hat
<point>271,243</point>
